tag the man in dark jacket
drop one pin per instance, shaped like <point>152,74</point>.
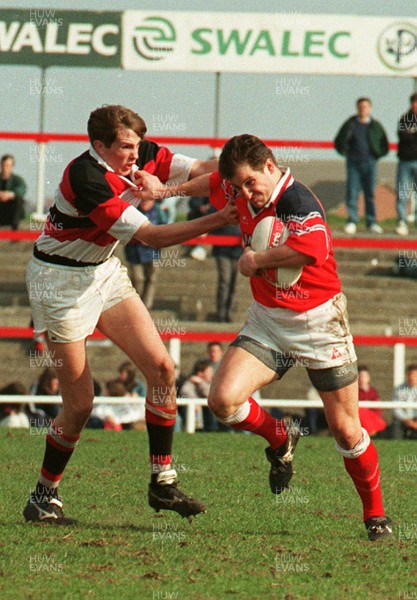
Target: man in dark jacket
<point>407,166</point>
<point>362,140</point>
<point>12,193</point>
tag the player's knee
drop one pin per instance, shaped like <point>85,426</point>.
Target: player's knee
<point>164,371</point>
<point>346,435</point>
<point>355,445</point>
<point>220,403</point>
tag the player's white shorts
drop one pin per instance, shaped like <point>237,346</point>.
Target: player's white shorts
<point>316,339</point>
<point>67,301</point>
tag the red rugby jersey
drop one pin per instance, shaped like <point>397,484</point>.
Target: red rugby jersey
<point>300,210</point>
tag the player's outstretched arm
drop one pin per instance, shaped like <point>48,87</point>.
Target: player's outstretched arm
<point>161,236</point>
<point>202,167</point>
<point>152,189</point>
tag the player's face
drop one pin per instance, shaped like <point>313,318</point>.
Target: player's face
<point>123,153</point>
<point>256,186</point>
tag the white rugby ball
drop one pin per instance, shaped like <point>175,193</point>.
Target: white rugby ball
<point>271,232</point>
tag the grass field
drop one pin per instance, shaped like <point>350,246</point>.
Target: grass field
<point>307,543</point>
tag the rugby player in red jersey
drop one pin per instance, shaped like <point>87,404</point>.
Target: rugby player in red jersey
<point>304,324</point>
<point>87,287</point>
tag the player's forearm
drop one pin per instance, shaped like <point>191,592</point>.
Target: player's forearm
<point>202,167</point>
<point>199,186</point>
<point>283,256</point>
<point>161,236</point>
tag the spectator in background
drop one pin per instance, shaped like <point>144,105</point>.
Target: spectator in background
<point>362,140</point>
<point>199,206</point>
<point>226,262</point>
<point>141,258</point>
<point>407,165</point>
<point>406,418</point>
<point>12,193</point>
<point>169,207</point>
<point>47,385</point>
<point>127,375</point>
<point>197,385</point>
<point>371,418</point>
<point>13,415</point>
<point>119,416</point>
<point>215,352</point>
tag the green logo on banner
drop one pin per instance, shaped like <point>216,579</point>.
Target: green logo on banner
<point>397,46</point>
<point>154,39</point>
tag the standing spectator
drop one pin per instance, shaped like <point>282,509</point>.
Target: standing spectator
<point>199,206</point>
<point>406,418</point>
<point>12,193</point>
<point>362,140</point>
<point>226,262</point>
<point>407,166</point>
<point>370,418</point>
<point>197,385</point>
<point>141,258</point>
<point>215,352</point>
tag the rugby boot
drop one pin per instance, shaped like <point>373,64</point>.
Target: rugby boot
<point>281,460</point>
<point>164,494</point>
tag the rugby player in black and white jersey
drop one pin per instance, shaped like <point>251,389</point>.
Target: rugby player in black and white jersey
<point>95,210</point>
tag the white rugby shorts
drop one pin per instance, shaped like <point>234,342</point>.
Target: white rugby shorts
<point>67,301</point>
<point>318,338</point>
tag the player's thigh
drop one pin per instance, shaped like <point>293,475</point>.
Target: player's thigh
<point>129,325</point>
<point>238,376</point>
<point>74,376</point>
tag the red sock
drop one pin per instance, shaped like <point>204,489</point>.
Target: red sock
<point>259,421</point>
<point>364,472</point>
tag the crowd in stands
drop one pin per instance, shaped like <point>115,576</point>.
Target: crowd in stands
<point>127,415</point>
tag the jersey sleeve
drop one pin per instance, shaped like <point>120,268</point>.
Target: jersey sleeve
<point>164,164</point>
<point>218,191</point>
<point>309,235</point>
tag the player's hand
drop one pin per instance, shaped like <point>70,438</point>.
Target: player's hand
<point>230,214</point>
<point>246,264</point>
<point>150,188</point>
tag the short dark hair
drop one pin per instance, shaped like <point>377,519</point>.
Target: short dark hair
<point>363,99</point>
<point>201,365</point>
<point>7,157</point>
<point>411,367</point>
<point>105,122</point>
<point>214,343</point>
<point>363,368</point>
<point>114,387</point>
<point>413,97</point>
<point>244,148</point>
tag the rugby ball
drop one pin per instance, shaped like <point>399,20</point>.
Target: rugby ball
<point>271,232</point>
